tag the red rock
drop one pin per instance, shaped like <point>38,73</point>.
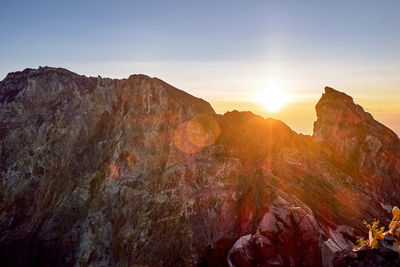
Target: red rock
<point>242,252</point>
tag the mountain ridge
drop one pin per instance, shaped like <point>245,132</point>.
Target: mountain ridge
<point>126,172</point>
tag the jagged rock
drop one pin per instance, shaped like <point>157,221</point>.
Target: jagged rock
<point>360,144</point>
<point>287,236</point>
<point>242,252</point>
<point>97,171</point>
<point>339,239</point>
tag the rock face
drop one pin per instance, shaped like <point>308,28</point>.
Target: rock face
<point>90,173</point>
<point>358,143</point>
<point>101,172</point>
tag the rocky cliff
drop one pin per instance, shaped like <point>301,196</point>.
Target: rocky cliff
<point>102,172</point>
<point>361,145</point>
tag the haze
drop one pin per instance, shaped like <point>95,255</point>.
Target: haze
<point>222,51</point>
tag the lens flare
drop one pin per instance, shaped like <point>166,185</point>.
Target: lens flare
<point>193,135</point>
<point>196,133</point>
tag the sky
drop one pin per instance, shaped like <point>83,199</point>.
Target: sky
<point>222,51</point>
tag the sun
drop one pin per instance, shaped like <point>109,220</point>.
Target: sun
<point>273,98</point>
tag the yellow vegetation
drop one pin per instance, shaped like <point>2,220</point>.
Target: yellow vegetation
<point>361,243</point>
<point>377,233</point>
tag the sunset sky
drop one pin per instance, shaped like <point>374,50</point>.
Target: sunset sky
<point>225,52</point>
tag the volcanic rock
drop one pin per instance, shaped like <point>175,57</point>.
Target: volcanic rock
<point>287,235</point>
<point>97,171</point>
<point>361,145</point>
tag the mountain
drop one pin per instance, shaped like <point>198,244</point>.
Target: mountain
<point>101,172</point>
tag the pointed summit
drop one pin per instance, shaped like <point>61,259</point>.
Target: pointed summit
<point>351,137</point>
<point>333,102</point>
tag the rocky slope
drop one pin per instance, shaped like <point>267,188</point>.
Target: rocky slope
<point>103,172</point>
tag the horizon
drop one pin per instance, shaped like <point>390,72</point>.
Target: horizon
<point>222,52</point>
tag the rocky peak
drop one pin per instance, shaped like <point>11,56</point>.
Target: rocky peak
<point>331,93</point>
<point>337,110</point>
<point>352,138</point>
<point>252,136</point>
<point>337,113</point>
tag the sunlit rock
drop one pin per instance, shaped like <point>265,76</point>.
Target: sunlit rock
<point>352,138</point>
